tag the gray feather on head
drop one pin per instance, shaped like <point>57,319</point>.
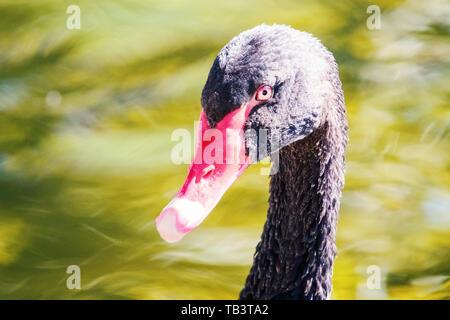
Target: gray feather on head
<point>295,64</point>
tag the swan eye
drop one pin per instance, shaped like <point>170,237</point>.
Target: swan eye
<point>264,93</point>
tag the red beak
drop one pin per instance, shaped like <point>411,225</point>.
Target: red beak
<point>219,159</point>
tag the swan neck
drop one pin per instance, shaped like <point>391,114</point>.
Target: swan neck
<point>294,259</point>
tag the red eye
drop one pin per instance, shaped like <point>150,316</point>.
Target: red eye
<point>264,93</point>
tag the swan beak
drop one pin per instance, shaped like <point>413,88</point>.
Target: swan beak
<point>219,159</point>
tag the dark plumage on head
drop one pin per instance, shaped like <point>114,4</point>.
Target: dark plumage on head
<point>299,68</point>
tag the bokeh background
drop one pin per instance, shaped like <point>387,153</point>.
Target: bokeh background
<point>85,123</point>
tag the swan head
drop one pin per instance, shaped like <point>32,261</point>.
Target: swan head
<point>267,88</point>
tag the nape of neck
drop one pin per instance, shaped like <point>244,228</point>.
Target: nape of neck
<point>294,259</point>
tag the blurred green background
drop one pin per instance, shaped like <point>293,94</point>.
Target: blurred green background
<point>85,123</point>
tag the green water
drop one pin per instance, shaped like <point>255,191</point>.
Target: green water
<point>86,168</point>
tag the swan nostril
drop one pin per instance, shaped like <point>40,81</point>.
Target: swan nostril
<point>206,172</point>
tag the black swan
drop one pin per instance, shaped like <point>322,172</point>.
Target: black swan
<point>283,82</point>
